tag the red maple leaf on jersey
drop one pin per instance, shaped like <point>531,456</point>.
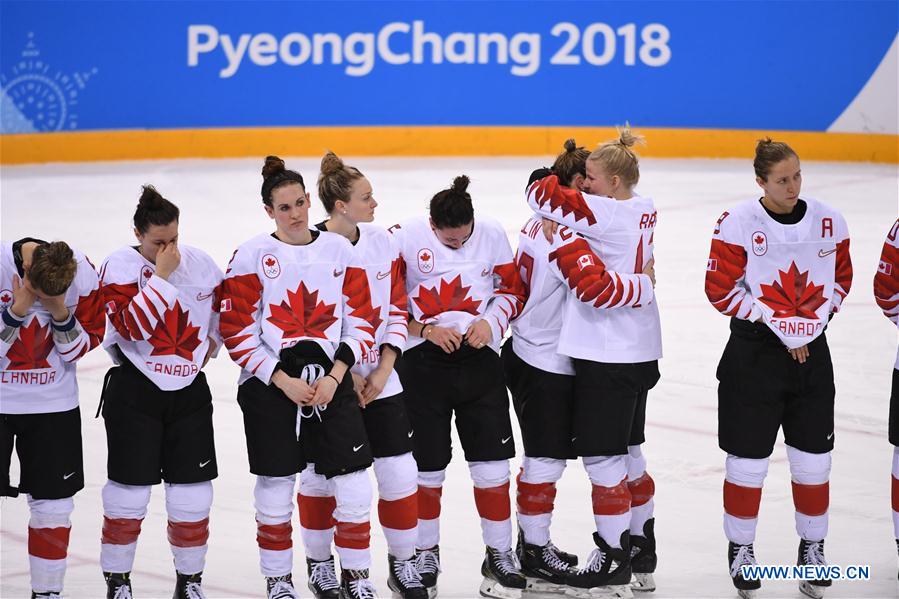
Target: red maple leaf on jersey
<point>5,298</point>
<point>302,315</point>
<point>30,350</point>
<point>760,240</point>
<point>358,294</point>
<point>452,297</point>
<point>569,201</point>
<point>174,335</point>
<point>425,257</point>
<point>793,295</point>
<point>270,262</point>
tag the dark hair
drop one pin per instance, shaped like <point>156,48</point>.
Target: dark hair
<point>767,154</point>
<point>452,207</point>
<point>571,162</point>
<point>275,175</point>
<point>53,267</point>
<point>336,180</point>
<point>153,209</point>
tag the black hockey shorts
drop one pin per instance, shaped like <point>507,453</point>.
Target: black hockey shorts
<point>154,435</point>
<point>333,436</point>
<point>894,409</point>
<point>469,382</point>
<point>49,449</point>
<point>761,388</point>
<point>610,405</point>
<point>544,404</point>
<point>387,426</point>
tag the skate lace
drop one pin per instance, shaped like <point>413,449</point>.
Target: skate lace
<point>507,562</point>
<point>323,576</point>
<point>407,573</point>
<point>281,588</point>
<point>814,554</point>
<point>595,561</point>
<point>362,588</point>
<point>745,557</point>
<point>193,590</point>
<point>122,592</point>
<point>552,558</point>
<point>427,562</point>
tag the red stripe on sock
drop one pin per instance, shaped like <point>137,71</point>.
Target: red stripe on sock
<point>316,513</point>
<point>352,535</point>
<point>188,534</point>
<point>49,543</point>
<point>742,502</point>
<point>429,502</point>
<point>493,503</point>
<point>534,499</point>
<point>811,500</point>
<point>642,489</point>
<point>275,537</point>
<point>611,501</point>
<point>120,531</point>
<point>895,493</point>
<point>400,514</point>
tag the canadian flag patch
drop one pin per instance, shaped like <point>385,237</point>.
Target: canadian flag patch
<point>585,261</point>
<point>226,305</point>
<point>712,266</point>
<point>110,307</point>
<point>885,267</point>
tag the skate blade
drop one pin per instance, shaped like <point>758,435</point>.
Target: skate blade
<point>643,583</point>
<point>538,585</point>
<point>747,593</point>
<point>621,591</point>
<point>432,592</point>
<point>810,590</point>
<point>491,588</point>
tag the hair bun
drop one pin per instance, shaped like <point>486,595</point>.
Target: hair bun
<point>627,138</point>
<point>273,165</point>
<point>570,145</point>
<point>59,253</point>
<point>150,199</point>
<point>460,184</point>
<point>331,164</point>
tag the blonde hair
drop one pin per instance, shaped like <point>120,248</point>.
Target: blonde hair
<point>617,157</point>
<point>336,180</point>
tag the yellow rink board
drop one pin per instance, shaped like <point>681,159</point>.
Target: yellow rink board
<point>424,141</point>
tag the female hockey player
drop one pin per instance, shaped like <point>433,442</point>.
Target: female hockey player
<point>463,290</point>
<point>51,317</point>
<point>287,320</point>
<point>611,331</point>
<point>160,298</point>
<point>886,292</point>
<point>381,301</point>
<point>779,267</point>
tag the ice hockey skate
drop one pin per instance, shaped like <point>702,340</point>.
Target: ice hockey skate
<point>355,584</point>
<point>643,558</point>
<point>404,580</point>
<point>118,585</point>
<point>607,574</point>
<point>739,556</point>
<point>502,575</point>
<point>47,595</point>
<point>545,568</point>
<point>811,553</point>
<point>188,586</point>
<point>280,587</point>
<point>322,578</point>
<point>427,562</point>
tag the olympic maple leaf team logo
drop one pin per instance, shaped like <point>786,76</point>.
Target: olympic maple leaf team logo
<point>302,315</point>
<point>174,335</point>
<point>30,350</point>
<point>5,297</point>
<point>569,201</point>
<point>425,260</point>
<point>451,297</point>
<point>145,273</point>
<point>793,295</point>
<point>358,292</point>
<point>270,266</point>
<point>759,243</point>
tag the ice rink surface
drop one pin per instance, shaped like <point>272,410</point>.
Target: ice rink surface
<point>90,206</point>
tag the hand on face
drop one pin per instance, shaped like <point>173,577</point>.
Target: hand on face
<point>167,259</point>
<point>23,297</point>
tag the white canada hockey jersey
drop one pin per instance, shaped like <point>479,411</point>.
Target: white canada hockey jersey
<point>164,327</point>
<point>453,288</point>
<point>886,281</point>
<point>616,318</point>
<point>38,359</point>
<point>275,295</point>
<point>383,304</point>
<point>792,277</point>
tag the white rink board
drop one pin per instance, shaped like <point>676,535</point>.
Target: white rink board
<point>90,206</point>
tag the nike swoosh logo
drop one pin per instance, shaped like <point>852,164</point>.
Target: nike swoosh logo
<point>68,476</point>
<point>830,436</point>
<point>506,440</point>
<point>203,464</point>
<point>337,273</point>
<point>485,272</point>
<point>411,433</point>
<point>355,449</point>
<point>383,275</point>
<point>823,254</point>
<point>204,296</point>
